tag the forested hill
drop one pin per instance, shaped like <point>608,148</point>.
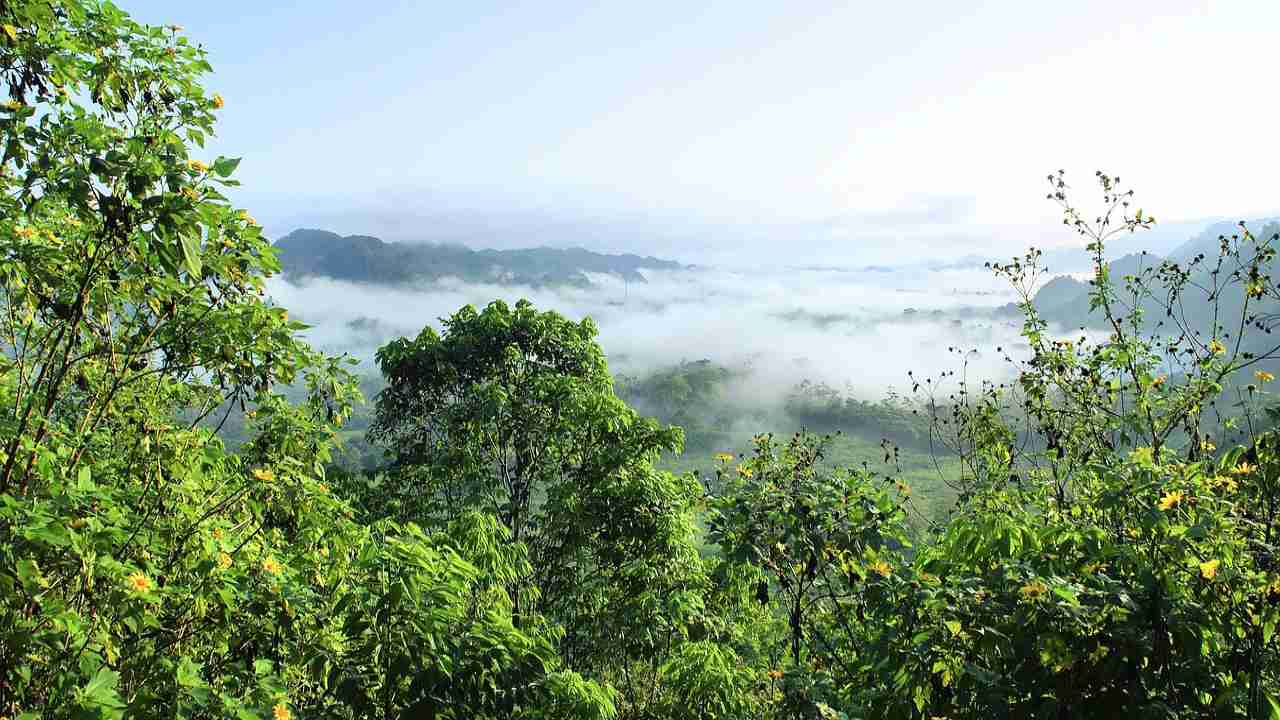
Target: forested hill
<point>361,258</point>
<point>1208,240</point>
<point>1064,299</point>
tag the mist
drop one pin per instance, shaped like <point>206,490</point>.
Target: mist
<point>860,330</point>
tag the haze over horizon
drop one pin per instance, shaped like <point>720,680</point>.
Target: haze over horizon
<point>819,132</point>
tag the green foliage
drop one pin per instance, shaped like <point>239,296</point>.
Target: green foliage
<point>521,556</point>
<point>820,407</point>
<point>822,541</point>
<point>511,411</point>
<point>506,404</point>
<point>1105,558</point>
<point>144,570</point>
<point>708,681</point>
<point>691,395</point>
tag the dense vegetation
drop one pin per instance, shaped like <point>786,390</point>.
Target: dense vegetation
<point>521,554</point>
<point>360,258</point>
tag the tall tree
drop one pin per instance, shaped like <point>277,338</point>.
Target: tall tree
<point>512,411</point>
<point>506,407</point>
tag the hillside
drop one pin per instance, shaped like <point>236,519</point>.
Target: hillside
<point>1207,241</point>
<point>1064,300</point>
<point>365,259</point>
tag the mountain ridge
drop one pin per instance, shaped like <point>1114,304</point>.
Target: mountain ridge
<point>310,252</point>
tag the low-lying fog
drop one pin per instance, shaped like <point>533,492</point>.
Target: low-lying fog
<point>856,329</point>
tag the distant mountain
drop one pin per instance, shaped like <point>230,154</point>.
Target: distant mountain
<point>1065,300</point>
<point>1208,243</point>
<point>1059,291</point>
<point>361,258</point>
<point>1164,240</point>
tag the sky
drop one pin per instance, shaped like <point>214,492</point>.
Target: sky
<point>802,131</point>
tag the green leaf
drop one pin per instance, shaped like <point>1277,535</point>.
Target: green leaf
<point>189,673</point>
<point>1066,594</point>
<point>191,254</point>
<point>101,692</point>
<point>224,166</point>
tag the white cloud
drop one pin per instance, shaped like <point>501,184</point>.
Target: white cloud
<point>857,329</point>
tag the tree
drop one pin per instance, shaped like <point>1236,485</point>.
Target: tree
<point>508,407</point>
<point>511,411</point>
<point>144,570</point>
<point>823,542</point>
<point>1107,557</point>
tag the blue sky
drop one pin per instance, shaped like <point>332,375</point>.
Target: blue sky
<point>694,127</point>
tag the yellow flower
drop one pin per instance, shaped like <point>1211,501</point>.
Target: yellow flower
<point>1243,468</point>
<point>11,105</point>
<point>280,712</point>
<point>774,674</point>
<point>1216,347</point>
<point>1225,483</point>
<point>244,215</point>
<point>270,566</point>
<point>218,102</point>
<point>217,533</point>
<point>138,582</point>
<point>190,194</point>
<point>1209,569</point>
<point>264,474</point>
<point>904,488</point>
<point>224,561</point>
<point>1158,380</point>
<point>1207,446</point>
<point>1256,289</point>
<point>1170,500</point>
<point>1033,589</point>
<point>745,472</point>
<point>881,567</point>
<point>12,32</point>
<point>724,457</point>
<point>25,233</point>
<point>1264,377</point>
<point>197,166</point>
